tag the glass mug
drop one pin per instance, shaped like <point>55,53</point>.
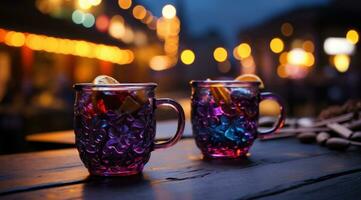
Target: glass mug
<point>224,116</point>
<point>115,126</point>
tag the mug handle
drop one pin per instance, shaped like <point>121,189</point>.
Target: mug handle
<point>181,122</point>
<point>281,117</point>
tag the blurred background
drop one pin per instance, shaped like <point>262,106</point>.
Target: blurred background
<point>307,51</point>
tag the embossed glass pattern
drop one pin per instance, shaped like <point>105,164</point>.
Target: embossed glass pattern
<point>115,127</point>
<point>225,116</point>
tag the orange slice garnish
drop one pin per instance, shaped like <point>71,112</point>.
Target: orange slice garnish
<point>104,79</point>
<point>250,78</point>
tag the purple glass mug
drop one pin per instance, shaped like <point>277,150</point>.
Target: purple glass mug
<point>224,116</point>
<point>115,126</point>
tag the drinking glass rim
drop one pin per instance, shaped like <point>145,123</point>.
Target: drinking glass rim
<point>231,83</point>
<point>81,86</point>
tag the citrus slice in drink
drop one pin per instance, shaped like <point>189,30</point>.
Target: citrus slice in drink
<point>104,79</point>
<point>250,78</point>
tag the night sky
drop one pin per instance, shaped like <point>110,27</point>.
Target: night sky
<point>228,16</point>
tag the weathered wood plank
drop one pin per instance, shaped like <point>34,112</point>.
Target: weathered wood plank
<point>194,178</point>
<point>339,187</point>
<point>176,171</point>
<point>24,171</point>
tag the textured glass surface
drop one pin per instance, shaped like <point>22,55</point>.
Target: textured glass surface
<point>224,119</point>
<point>114,129</point>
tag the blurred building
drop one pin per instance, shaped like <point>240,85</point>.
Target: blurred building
<point>292,56</point>
<point>47,46</point>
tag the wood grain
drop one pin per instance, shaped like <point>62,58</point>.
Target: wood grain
<point>274,168</point>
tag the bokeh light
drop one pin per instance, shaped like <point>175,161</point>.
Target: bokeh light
<point>341,62</point>
<point>139,12</point>
<point>148,18</point>
<point>159,63</point>
<point>276,45</point>
<point>308,46</point>
<point>94,2</point>
<point>77,16</point>
<point>220,54</point>
<point>283,58</point>
<point>125,4</point>
<point>296,72</point>
<point>89,20</point>
<point>297,56</point>
<point>310,60</point>
<point>116,27</point>
<point>338,45</point>
<point>33,42</point>
<point>72,47</point>
<point>128,36</point>
<point>2,35</point>
<point>51,44</point>
<point>235,54</point>
<point>84,4</point>
<point>169,11</point>
<point>352,36</point>
<point>248,65</point>
<point>287,29</point>
<point>82,48</point>
<point>244,50</point>
<point>187,56</point>
<point>15,39</point>
<point>102,23</point>
<point>281,71</point>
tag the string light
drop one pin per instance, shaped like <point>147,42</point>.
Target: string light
<point>276,45</point>
<point>187,56</point>
<point>287,29</point>
<point>308,46</point>
<point>159,63</point>
<point>77,16</point>
<point>243,50</point>
<point>65,46</point>
<point>89,20</point>
<point>125,4</point>
<point>352,36</point>
<point>297,57</point>
<point>169,11</point>
<point>341,62</point>
<point>15,39</point>
<point>139,12</point>
<point>84,4</point>
<point>220,54</point>
<point>102,23</point>
<point>94,2</point>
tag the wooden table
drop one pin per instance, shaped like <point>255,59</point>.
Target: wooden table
<point>276,169</point>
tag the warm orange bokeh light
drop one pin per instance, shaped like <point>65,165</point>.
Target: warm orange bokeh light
<point>65,46</point>
<point>308,46</point>
<point>102,23</point>
<point>341,62</point>
<point>188,56</point>
<point>15,39</point>
<point>139,12</point>
<point>352,36</point>
<point>220,54</point>
<point>159,63</point>
<point>287,29</point>
<point>243,50</point>
<point>276,45</point>
<point>125,4</point>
